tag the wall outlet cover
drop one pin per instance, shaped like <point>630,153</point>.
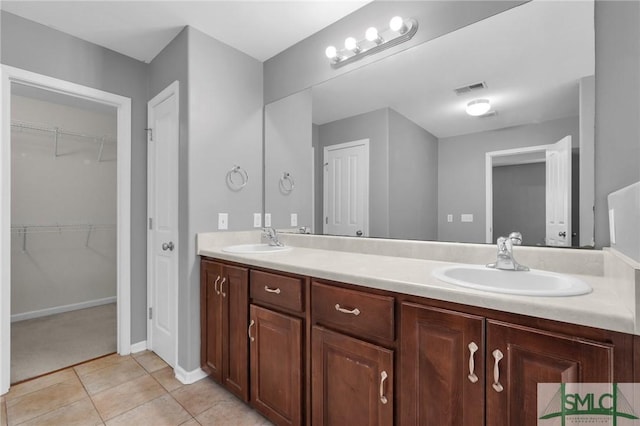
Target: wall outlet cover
<point>223,221</point>
<point>449,218</point>
<point>257,220</point>
<point>267,220</point>
<point>294,219</point>
<point>466,217</point>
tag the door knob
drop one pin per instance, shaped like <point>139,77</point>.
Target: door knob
<point>562,234</point>
<point>359,233</point>
<point>167,246</point>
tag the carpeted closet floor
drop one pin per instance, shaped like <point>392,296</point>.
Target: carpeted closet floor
<point>46,344</point>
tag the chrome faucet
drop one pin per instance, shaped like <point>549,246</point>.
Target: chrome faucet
<point>505,259</point>
<point>272,236</point>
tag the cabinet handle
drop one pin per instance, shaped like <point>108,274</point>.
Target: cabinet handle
<point>383,378</point>
<point>271,290</point>
<point>222,288</point>
<point>472,364</point>
<point>354,311</point>
<point>497,356</point>
<point>215,285</point>
<point>251,324</point>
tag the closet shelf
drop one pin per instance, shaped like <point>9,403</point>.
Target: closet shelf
<point>40,229</point>
<point>57,132</point>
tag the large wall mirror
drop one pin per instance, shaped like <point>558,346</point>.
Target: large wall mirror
<point>388,150</point>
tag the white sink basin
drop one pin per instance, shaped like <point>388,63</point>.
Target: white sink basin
<point>254,248</point>
<point>526,283</point>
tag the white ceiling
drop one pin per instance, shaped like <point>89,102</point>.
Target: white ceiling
<point>531,58</point>
<point>141,29</point>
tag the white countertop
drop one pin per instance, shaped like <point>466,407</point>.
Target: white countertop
<point>603,308</point>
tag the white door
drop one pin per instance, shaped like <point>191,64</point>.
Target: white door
<point>346,188</point>
<point>162,226</point>
<point>558,193</point>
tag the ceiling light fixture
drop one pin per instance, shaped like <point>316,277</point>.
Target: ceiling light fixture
<point>399,31</point>
<point>478,107</point>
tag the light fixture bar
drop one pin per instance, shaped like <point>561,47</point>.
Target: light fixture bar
<point>346,56</point>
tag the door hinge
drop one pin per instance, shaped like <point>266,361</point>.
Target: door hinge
<point>150,223</point>
<point>150,133</point>
<point>150,313</point>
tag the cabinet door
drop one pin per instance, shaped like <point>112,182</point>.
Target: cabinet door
<point>527,357</point>
<point>234,290</point>
<point>276,365</point>
<point>211,319</point>
<point>352,381</point>
<point>441,367</point>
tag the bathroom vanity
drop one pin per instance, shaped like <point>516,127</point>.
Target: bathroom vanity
<point>312,335</point>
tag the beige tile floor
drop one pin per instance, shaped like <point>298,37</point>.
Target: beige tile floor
<point>139,389</point>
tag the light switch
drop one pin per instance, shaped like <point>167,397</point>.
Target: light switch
<point>466,217</point>
<point>449,218</point>
<point>294,219</point>
<point>257,220</point>
<point>223,221</point>
<point>267,220</point>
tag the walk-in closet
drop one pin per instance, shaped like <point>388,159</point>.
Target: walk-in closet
<point>63,231</point>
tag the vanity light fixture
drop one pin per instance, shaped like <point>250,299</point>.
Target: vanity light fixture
<point>478,107</point>
<point>399,31</point>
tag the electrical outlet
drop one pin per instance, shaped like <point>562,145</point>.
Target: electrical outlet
<point>294,219</point>
<point>223,221</point>
<point>466,217</point>
<point>267,220</point>
<point>257,220</point>
<point>449,218</point>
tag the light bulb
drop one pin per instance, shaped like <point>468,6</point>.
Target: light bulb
<point>371,34</point>
<point>350,43</point>
<point>331,52</point>
<point>397,24</point>
<point>478,107</point>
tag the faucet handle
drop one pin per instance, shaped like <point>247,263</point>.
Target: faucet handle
<point>516,238</point>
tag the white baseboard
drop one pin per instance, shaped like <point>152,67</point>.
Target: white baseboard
<point>188,377</point>
<point>138,347</point>
<point>60,309</point>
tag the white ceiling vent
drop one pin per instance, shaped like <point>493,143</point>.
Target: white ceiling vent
<point>470,88</point>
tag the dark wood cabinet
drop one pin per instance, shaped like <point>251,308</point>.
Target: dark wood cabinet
<point>518,358</point>
<point>223,326</point>
<point>441,367</point>
<point>276,365</point>
<point>352,381</point>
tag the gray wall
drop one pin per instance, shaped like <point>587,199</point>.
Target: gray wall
<point>617,104</point>
<point>413,180</point>
<point>586,162</point>
<point>461,172</point>
<point>304,64</point>
<point>519,201</point>
<point>375,127</point>
<point>288,134</point>
<point>34,47</point>
<point>225,129</point>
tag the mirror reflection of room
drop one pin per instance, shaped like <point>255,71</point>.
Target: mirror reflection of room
<point>63,231</point>
<point>430,163</point>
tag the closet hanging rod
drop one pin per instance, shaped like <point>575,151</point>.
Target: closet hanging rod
<point>61,131</point>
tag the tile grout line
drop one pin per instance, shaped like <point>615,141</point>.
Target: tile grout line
<point>89,396</point>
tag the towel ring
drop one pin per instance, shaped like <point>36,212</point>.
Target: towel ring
<point>286,183</point>
<point>240,181</point>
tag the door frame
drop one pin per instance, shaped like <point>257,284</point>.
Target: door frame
<point>366,184</point>
<point>171,90</point>
<point>490,158</point>
<point>122,104</point>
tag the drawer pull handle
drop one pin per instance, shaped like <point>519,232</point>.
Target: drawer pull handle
<point>354,311</point>
<point>472,365</point>
<point>222,288</point>
<point>251,324</point>
<point>383,378</point>
<point>497,356</point>
<point>215,285</point>
<point>271,290</point>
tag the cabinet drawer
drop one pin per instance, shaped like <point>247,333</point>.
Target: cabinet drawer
<point>357,312</point>
<point>277,290</point>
